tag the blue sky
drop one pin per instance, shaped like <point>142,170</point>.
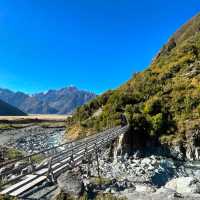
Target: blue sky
<point>93,44</point>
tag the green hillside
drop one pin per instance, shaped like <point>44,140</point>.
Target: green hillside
<point>161,103</point>
<point>8,110</point>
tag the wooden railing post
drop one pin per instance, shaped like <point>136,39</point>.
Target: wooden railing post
<point>97,160</point>
<point>88,160</point>
<point>88,165</point>
<point>72,157</point>
<point>31,163</point>
<point>85,152</point>
<point>50,174</point>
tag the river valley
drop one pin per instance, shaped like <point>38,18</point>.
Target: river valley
<point>137,176</point>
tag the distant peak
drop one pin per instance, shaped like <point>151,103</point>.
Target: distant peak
<point>72,87</point>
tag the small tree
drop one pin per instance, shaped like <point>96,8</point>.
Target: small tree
<point>157,123</point>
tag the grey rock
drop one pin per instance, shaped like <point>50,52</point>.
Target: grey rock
<point>137,154</point>
<point>184,185</point>
<point>12,177</point>
<point>18,164</point>
<point>26,170</point>
<point>176,152</point>
<point>146,161</point>
<point>107,190</point>
<point>160,194</point>
<point>144,188</point>
<point>2,170</point>
<point>70,183</point>
<point>113,190</point>
<point>151,168</point>
<point>193,145</point>
<point>197,153</point>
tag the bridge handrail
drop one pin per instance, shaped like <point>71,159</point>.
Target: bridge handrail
<point>49,149</point>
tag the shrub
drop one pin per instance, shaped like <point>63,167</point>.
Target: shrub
<point>6,197</point>
<point>153,106</point>
<point>139,122</point>
<point>14,154</point>
<point>157,122</point>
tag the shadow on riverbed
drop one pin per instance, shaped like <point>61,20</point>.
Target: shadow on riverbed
<point>163,176</point>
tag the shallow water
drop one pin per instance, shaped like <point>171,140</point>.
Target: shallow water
<point>192,168</point>
<point>55,138</point>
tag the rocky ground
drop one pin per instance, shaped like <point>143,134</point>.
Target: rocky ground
<point>31,139</point>
<point>14,144</point>
<point>139,176</point>
<point>136,177</point>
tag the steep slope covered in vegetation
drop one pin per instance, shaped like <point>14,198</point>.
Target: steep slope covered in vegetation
<point>161,103</point>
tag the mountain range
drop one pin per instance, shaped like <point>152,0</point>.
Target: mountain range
<point>62,101</point>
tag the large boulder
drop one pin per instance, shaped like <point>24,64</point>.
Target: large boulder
<point>160,194</point>
<point>144,188</point>
<point>184,185</point>
<point>71,184</point>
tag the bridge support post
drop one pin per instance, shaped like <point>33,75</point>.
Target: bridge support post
<point>87,159</point>
<point>31,163</point>
<point>88,167</point>
<point>97,160</point>
<point>50,174</point>
<point>72,164</point>
<point>85,151</point>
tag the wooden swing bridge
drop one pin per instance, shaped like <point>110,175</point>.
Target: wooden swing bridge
<point>22,175</point>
